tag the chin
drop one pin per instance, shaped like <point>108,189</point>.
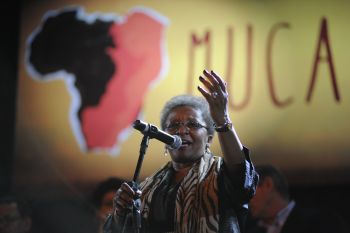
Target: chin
<point>180,159</point>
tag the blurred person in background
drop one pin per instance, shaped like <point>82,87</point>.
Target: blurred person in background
<point>272,210</point>
<point>102,198</point>
<point>15,215</point>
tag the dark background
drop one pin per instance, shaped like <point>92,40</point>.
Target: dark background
<point>332,197</point>
<point>8,67</point>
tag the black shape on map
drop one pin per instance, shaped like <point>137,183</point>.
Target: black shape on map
<point>77,47</point>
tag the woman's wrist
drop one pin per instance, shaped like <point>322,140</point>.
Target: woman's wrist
<point>223,125</point>
<point>227,126</point>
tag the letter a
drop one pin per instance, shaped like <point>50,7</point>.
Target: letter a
<point>323,39</point>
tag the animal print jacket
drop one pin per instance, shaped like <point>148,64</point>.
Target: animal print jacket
<point>208,199</point>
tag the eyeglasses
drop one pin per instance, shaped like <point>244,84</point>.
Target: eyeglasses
<point>190,125</point>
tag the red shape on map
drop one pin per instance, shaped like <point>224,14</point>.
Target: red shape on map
<point>138,56</point>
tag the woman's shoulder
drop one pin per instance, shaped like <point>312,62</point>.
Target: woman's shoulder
<point>160,172</point>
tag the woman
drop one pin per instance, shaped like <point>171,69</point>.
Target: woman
<point>196,191</point>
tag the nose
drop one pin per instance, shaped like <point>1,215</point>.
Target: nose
<point>183,129</point>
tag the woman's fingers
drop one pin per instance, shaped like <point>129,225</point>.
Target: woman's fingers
<point>212,79</point>
<point>207,84</point>
<point>204,93</point>
<point>221,82</point>
<point>124,198</point>
<point>213,83</point>
<point>215,92</point>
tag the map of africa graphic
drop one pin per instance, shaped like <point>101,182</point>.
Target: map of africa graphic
<point>108,64</point>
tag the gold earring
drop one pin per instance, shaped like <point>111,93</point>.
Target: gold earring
<point>166,151</point>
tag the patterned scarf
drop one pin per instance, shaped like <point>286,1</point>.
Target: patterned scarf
<point>196,207</point>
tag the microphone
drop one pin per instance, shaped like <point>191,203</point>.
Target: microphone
<point>152,131</point>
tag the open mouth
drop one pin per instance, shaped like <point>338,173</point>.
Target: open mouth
<point>185,143</point>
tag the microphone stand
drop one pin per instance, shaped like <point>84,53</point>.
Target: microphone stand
<point>133,214</point>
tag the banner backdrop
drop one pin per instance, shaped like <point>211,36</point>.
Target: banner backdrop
<point>88,69</point>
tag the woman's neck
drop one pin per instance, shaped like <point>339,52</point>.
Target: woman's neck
<point>181,166</point>
<point>181,170</point>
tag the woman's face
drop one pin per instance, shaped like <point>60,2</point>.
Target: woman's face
<point>189,125</point>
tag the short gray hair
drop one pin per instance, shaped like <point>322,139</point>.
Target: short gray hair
<point>196,102</point>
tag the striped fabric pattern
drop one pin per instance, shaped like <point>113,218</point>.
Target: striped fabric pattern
<point>197,197</point>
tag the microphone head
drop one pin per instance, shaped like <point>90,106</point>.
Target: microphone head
<point>177,142</point>
<point>140,126</point>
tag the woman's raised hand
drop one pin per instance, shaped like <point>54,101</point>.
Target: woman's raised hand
<point>215,92</point>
